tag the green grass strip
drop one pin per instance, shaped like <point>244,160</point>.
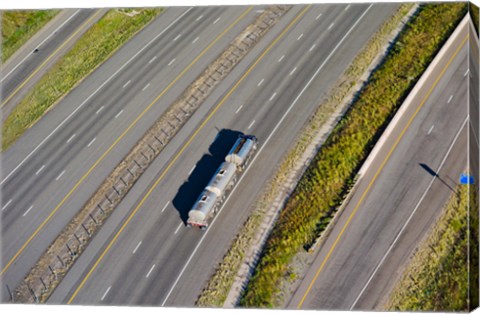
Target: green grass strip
<point>436,278</point>
<point>473,9</point>
<point>20,26</point>
<point>328,177</point>
<point>216,290</point>
<point>93,48</point>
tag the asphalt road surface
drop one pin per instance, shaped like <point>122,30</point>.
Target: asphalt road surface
<point>51,171</point>
<point>28,65</point>
<point>398,197</point>
<point>144,254</point>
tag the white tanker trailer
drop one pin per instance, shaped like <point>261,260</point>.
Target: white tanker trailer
<point>212,197</point>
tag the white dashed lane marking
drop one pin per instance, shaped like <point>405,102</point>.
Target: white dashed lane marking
<point>39,170</point>
<point>136,248</point>
<point>105,294</point>
<point>26,212</point>
<point>5,206</point>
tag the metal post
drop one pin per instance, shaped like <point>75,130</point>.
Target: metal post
<point>69,249</point>
<point>86,230</point>
<point>78,239</point>
<point>43,283</point>
<point>61,261</point>
<point>93,219</point>
<point>100,207</point>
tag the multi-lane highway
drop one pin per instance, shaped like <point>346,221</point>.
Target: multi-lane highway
<point>23,69</point>
<point>49,173</point>
<point>399,196</point>
<point>144,254</point>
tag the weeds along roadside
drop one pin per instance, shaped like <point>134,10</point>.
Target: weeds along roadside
<point>328,177</point>
<point>437,276</point>
<point>102,40</point>
<point>18,26</point>
<point>228,274</point>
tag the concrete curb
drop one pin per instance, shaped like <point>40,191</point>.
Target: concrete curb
<point>413,93</point>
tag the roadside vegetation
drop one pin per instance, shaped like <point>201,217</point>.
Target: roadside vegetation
<point>332,172</point>
<point>473,9</point>
<point>20,26</point>
<point>437,277</point>
<point>91,50</point>
<point>216,290</point>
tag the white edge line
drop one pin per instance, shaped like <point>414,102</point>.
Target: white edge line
<point>91,95</point>
<point>105,294</point>
<point>260,150</point>
<point>165,207</point>
<point>28,210</point>
<point>409,217</point>
<point>40,44</point>
<point>150,271</point>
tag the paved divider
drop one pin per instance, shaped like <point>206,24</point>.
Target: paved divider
<point>53,265</point>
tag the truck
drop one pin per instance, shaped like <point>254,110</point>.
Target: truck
<point>213,196</point>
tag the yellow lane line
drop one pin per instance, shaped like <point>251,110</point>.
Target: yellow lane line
<point>50,57</point>
<point>377,173</point>
<point>182,150</point>
<point>118,140</point>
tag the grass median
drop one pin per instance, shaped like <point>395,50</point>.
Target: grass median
<point>20,26</point>
<point>91,50</point>
<point>437,277</point>
<point>219,285</point>
<point>331,173</point>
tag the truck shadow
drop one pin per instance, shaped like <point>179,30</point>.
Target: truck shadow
<point>204,170</point>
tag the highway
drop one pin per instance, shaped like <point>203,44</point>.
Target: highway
<point>28,65</point>
<point>50,172</point>
<point>144,254</point>
<point>399,196</point>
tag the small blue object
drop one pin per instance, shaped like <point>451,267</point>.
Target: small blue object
<point>466,179</point>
